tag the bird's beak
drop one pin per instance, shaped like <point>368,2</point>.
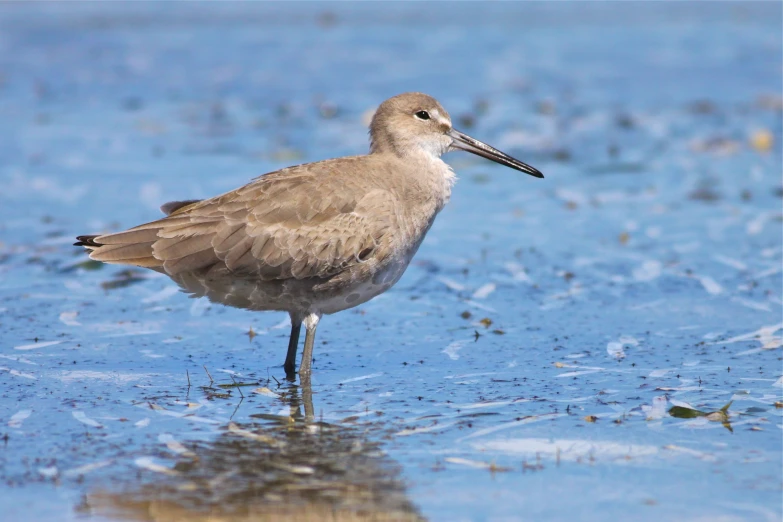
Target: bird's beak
<point>464,142</point>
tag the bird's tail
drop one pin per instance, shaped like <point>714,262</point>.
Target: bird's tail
<point>87,242</point>
<point>131,247</point>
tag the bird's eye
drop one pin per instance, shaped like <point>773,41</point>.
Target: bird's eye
<point>422,115</point>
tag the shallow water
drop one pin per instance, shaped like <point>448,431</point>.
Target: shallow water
<point>527,364</point>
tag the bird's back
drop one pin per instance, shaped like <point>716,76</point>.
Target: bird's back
<point>310,221</point>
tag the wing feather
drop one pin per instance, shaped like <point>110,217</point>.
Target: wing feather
<point>227,237</point>
<point>309,221</point>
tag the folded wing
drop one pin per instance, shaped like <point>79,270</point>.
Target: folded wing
<point>293,223</point>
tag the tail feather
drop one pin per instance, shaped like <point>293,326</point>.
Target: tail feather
<point>87,241</point>
<point>122,253</point>
<point>135,246</point>
<point>128,237</point>
<point>115,249</point>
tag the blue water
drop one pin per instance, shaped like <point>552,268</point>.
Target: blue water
<point>523,368</point>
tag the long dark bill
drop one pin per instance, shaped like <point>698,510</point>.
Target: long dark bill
<point>464,142</point>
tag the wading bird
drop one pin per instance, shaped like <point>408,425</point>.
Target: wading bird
<point>312,239</point>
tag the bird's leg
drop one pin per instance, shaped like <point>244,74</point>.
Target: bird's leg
<point>311,323</point>
<point>293,344</point>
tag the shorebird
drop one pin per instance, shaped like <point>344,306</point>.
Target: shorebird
<point>313,239</point>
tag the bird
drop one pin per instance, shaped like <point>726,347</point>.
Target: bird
<point>312,239</point>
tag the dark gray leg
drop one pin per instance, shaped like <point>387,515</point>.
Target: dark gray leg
<point>293,344</point>
<point>311,323</point>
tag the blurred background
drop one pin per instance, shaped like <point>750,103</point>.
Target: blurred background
<point>559,347</point>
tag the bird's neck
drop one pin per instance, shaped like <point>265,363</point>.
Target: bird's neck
<point>429,176</point>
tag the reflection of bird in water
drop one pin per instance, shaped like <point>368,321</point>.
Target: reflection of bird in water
<point>282,468</point>
<point>313,239</point>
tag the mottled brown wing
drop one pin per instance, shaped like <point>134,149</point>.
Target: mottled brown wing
<point>307,221</point>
